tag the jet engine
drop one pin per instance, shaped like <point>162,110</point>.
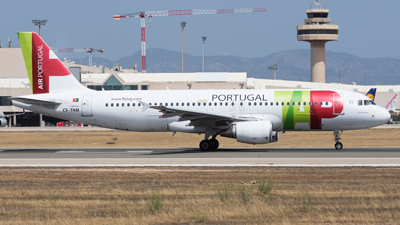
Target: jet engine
<point>3,122</point>
<point>252,132</point>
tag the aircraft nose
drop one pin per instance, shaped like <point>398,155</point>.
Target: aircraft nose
<point>384,116</point>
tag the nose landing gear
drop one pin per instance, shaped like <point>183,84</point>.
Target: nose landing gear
<point>338,144</point>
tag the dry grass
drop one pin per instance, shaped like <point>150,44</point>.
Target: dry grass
<point>94,139</point>
<point>120,195</point>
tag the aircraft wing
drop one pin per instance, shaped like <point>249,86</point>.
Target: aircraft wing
<point>194,114</point>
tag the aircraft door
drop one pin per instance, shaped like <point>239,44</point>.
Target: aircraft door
<point>87,105</point>
<point>338,104</point>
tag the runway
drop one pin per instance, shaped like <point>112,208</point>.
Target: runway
<point>194,157</point>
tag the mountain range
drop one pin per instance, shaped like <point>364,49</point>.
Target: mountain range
<point>292,65</point>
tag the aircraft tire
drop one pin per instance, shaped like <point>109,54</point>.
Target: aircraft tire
<point>214,143</point>
<point>338,145</point>
<point>205,145</point>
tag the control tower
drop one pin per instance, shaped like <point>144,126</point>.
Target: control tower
<point>317,31</point>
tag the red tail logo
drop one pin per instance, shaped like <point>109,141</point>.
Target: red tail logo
<point>44,65</point>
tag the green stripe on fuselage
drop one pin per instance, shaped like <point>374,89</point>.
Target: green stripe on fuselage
<point>25,40</point>
<point>292,114</point>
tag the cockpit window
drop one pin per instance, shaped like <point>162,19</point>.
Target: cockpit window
<point>372,102</point>
<point>360,102</point>
<point>366,102</point>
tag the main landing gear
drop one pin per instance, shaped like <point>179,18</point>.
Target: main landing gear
<point>207,145</point>
<point>338,144</point>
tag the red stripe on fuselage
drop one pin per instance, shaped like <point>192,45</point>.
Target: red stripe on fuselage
<point>317,112</point>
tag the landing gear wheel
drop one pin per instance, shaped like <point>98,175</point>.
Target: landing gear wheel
<point>214,144</point>
<point>338,145</point>
<point>205,145</point>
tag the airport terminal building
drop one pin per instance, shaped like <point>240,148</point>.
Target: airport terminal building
<point>14,82</point>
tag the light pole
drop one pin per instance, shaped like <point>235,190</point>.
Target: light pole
<point>39,23</point>
<point>183,25</point>
<point>273,69</point>
<point>204,39</point>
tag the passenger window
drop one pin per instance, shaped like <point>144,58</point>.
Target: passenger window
<point>172,104</point>
<point>117,104</point>
<point>106,104</point>
<point>293,103</point>
<point>287,103</point>
<point>209,104</point>
<point>138,104</point>
<point>255,103</point>
<point>198,104</point>
<point>112,104</point>
<point>122,104</point>
<point>220,104</point>
<point>360,102</point>
<point>272,103</point>
<point>260,103</point>
<point>309,103</point>
<point>133,104</point>
<point>249,103</point>
<point>160,104</point>
<point>166,104</point>
<point>304,103</point>
<point>298,103</point>
<point>215,104</point>
<point>188,104</point>
<point>315,103</point>
<point>226,104</point>
<point>233,104</point>
<point>155,103</point>
<point>193,104</point>
<point>277,103</point>
<point>282,103</point>
<point>204,104</point>
<point>266,103</point>
<point>241,104</point>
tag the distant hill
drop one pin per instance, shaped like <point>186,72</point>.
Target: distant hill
<point>292,65</point>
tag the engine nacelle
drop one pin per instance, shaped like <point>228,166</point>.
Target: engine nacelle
<point>252,132</point>
<point>3,122</point>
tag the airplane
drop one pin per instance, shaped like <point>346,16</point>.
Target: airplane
<point>3,121</point>
<point>371,94</point>
<point>250,116</point>
<point>392,103</point>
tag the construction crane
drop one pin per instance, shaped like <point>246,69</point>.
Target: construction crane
<point>183,12</point>
<point>87,50</point>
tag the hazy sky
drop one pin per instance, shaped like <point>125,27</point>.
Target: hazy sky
<point>367,28</point>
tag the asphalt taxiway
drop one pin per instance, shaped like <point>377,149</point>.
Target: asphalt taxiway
<point>193,157</point>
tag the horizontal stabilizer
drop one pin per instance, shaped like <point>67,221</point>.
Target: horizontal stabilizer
<point>36,101</point>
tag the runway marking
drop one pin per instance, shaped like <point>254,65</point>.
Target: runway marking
<point>203,165</point>
<point>139,151</point>
<point>70,152</point>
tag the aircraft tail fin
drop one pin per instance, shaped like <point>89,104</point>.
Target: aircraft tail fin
<point>391,105</point>
<point>47,74</point>
<point>371,94</point>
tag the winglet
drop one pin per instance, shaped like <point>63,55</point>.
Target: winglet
<point>145,106</point>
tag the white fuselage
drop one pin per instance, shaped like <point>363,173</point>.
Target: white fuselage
<point>123,109</point>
